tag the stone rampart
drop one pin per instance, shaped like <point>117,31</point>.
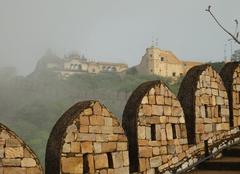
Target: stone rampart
<point>155,126</point>
<point>230,74</point>
<point>87,139</point>
<point>15,155</point>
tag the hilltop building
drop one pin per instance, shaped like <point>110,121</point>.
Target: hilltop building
<point>76,64</point>
<point>163,63</point>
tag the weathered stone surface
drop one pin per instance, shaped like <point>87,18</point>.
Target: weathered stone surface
<point>14,152</point>
<point>101,161</point>
<point>28,162</point>
<point>72,164</point>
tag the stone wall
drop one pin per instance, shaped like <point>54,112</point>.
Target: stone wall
<point>231,77</point>
<point>154,123</point>
<point>87,139</point>
<point>205,102</point>
<point>16,156</point>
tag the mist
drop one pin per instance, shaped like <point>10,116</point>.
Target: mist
<point>112,31</point>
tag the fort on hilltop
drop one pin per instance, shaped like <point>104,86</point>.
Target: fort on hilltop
<point>163,63</point>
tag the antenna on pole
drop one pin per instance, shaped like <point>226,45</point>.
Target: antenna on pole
<point>152,41</point>
<point>156,42</point>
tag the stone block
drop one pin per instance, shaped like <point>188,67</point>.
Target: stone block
<point>147,110</point>
<point>97,120</point>
<point>122,170</point>
<point>109,129</point>
<point>101,161</point>
<point>117,158</point>
<point>156,151</point>
<point>95,129</point>
<point>168,101</point>
<point>151,99</point>
<point>28,162</point>
<point>109,147</point>
<point>88,111</point>
<point>125,158</point>
<point>33,170</point>
<point>157,110</point>
<point>121,146</point>
<point>169,131</point>
<point>13,142</point>
<point>97,109</point>
<point>163,135</point>
<point>97,147</point>
<point>84,120</point>
<point>86,147</point>
<point>105,112</point>
<point>141,132</point>
<point>11,162</point>
<point>219,100</point>
<point>167,110</point>
<point>84,129</point>
<point>155,161</point>
<point>90,160</point>
<point>75,147</point>
<point>144,100</point>
<point>171,149</point>
<point>72,164</point>
<point>173,119</point>
<point>145,151</point>
<point>163,150</point>
<point>86,137</point>
<point>108,121</point>
<point>160,100</point>
<point>13,152</point>
<point>148,133</point>
<point>14,170</point>
<point>208,128</point>
<point>142,164</point>
<point>163,119</point>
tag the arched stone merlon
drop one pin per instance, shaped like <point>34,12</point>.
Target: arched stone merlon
<point>230,74</point>
<point>15,155</point>
<point>205,104</point>
<point>87,139</point>
<point>154,123</point>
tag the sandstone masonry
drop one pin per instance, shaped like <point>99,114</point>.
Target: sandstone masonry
<point>89,140</point>
<point>155,126</point>
<point>15,155</point>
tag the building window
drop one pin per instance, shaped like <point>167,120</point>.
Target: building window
<point>162,58</point>
<point>181,74</point>
<point>174,131</point>
<point>93,70</point>
<point>110,160</point>
<point>206,110</point>
<point>219,110</point>
<point>153,132</point>
<point>85,164</point>
<point>173,74</point>
<point>151,55</point>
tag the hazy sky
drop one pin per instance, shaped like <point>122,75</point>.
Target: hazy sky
<point>111,30</point>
